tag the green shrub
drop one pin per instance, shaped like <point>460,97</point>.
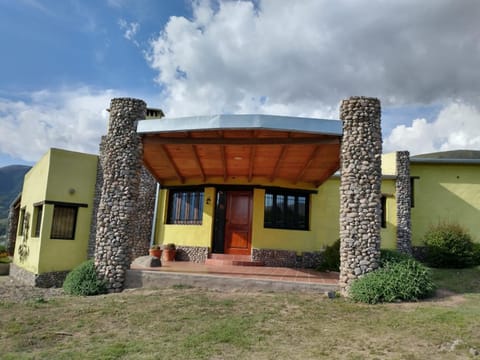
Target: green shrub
<point>331,258</point>
<point>400,278</point>
<point>83,281</point>
<point>392,256</point>
<point>449,246</point>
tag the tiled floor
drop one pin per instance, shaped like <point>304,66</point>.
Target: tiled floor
<point>248,272</point>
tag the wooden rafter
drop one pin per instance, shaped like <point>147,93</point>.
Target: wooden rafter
<point>224,162</point>
<point>279,161</point>
<point>253,150</point>
<point>171,163</point>
<point>307,164</point>
<point>197,160</point>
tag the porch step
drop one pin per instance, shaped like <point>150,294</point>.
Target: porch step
<point>231,259</point>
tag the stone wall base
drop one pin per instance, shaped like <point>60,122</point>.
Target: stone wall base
<point>45,280</point>
<point>197,254</point>
<point>287,258</point>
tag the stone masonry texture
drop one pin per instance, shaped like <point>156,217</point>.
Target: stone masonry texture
<point>403,194</point>
<point>116,217</point>
<point>360,191</point>
<point>96,200</point>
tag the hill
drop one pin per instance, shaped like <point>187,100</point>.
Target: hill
<point>11,181</point>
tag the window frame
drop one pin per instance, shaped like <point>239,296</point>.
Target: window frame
<point>280,218</point>
<point>37,220</point>
<point>178,201</point>
<point>383,211</point>
<point>56,222</point>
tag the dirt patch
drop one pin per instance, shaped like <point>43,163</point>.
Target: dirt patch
<point>13,291</point>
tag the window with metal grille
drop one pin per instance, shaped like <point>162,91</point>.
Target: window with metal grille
<point>286,210</point>
<point>185,207</point>
<point>37,218</point>
<point>64,222</point>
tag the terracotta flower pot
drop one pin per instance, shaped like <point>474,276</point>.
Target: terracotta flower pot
<point>169,255</point>
<point>156,252</point>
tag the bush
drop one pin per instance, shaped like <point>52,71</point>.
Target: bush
<point>400,278</point>
<point>450,246</point>
<point>392,256</point>
<point>331,258</point>
<point>83,281</point>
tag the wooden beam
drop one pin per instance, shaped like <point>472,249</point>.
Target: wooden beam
<point>239,141</point>
<point>277,165</point>
<point>307,164</point>
<point>331,171</point>
<point>171,163</point>
<point>224,162</point>
<point>253,150</point>
<point>197,160</point>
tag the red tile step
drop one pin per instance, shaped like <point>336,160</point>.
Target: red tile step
<point>231,259</point>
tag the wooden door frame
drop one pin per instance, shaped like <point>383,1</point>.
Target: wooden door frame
<point>227,191</point>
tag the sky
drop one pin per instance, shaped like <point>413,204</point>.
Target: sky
<point>61,62</point>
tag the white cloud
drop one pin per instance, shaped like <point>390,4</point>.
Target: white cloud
<point>130,30</point>
<point>455,127</point>
<point>303,56</point>
<point>72,119</point>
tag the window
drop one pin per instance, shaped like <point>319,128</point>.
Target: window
<point>37,220</point>
<point>286,210</point>
<point>64,222</point>
<point>383,219</point>
<point>412,191</point>
<point>185,207</point>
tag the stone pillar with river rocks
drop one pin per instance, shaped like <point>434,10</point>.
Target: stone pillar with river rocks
<point>360,192</point>
<point>403,197</point>
<point>116,216</point>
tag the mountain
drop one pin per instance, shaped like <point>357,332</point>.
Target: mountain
<point>11,182</point>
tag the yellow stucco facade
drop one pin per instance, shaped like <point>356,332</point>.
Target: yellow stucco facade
<point>60,178</point>
<point>445,192</point>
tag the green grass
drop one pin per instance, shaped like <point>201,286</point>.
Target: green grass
<point>458,280</point>
<point>189,323</point>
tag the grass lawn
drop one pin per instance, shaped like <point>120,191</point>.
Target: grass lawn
<point>188,323</point>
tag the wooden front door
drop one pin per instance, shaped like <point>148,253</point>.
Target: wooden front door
<point>238,222</point>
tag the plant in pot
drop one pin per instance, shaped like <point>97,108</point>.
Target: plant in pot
<point>5,261</point>
<point>156,251</point>
<point>169,251</point>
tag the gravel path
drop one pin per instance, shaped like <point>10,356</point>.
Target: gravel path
<point>13,291</point>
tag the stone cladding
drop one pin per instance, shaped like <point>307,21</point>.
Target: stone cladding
<point>117,211</point>
<point>12,223</point>
<point>287,258</point>
<point>96,199</point>
<point>360,193</point>
<point>197,254</point>
<point>403,194</point>
<point>144,215</point>
<point>45,280</point>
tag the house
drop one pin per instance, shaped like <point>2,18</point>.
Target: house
<point>54,216</point>
<point>262,188</point>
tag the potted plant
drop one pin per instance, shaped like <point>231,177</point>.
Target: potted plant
<point>4,261</point>
<point>156,251</point>
<point>169,251</point>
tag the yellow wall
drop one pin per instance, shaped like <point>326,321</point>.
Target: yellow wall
<point>186,235</point>
<point>34,191</point>
<point>60,176</point>
<point>445,192</point>
<point>324,222</point>
<point>389,164</point>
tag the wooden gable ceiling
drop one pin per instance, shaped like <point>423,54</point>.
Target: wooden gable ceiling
<point>253,155</point>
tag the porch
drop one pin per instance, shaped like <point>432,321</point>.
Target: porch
<point>231,277</point>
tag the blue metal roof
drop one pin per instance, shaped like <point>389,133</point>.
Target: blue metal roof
<point>241,122</point>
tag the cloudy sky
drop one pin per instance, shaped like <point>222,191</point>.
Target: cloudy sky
<point>62,61</point>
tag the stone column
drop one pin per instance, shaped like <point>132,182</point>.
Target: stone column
<point>116,217</point>
<point>360,193</point>
<point>12,223</point>
<point>145,209</point>
<point>96,200</point>
<point>403,197</point>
